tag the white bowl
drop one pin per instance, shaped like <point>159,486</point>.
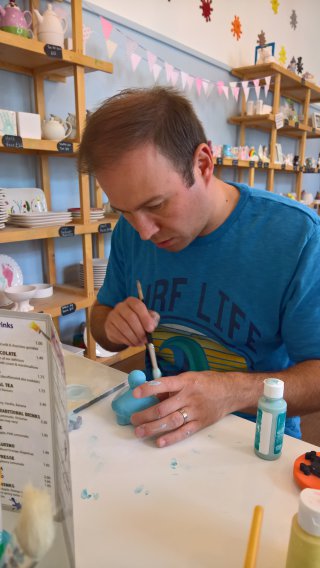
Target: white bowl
<point>20,293</point>
<point>43,290</point>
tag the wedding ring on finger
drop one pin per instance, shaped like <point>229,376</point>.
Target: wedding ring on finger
<point>184,415</point>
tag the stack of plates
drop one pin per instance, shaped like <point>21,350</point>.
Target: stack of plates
<point>99,271</point>
<point>40,219</point>
<point>95,213</point>
<point>3,213</point>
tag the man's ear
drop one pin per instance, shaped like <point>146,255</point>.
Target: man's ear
<point>203,162</point>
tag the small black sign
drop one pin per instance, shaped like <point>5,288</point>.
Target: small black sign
<point>251,164</point>
<point>295,168</point>
<point>297,124</point>
<point>68,309</point>
<point>219,161</point>
<point>54,51</point>
<point>11,141</point>
<point>283,166</point>
<point>65,147</point>
<point>104,228</point>
<point>260,164</point>
<point>286,122</point>
<point>66,231</point>
<point>266,165</point>
<point>235,162</point>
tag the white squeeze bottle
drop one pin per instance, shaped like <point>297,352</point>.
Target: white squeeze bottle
<point>271,418</point>
<point>304,544</point>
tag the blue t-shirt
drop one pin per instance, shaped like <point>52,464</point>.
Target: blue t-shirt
<point>243,298</point>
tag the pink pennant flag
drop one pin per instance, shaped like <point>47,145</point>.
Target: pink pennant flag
<point>190,81</point>
<point>257,87</point>
<point>152,58</point>
<point>106,27</point>
<point>156,70</point>
<point>169,69</point>
<point>174,77</point>
<point>111,48</point>
<point>198,85</point>
<point>131,46</point>
<point>135,60</point>
<point>220,85</point>
<point>184,78</point>
<point>267,85</point>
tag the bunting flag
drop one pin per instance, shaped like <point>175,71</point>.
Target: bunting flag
<point>174,75</point>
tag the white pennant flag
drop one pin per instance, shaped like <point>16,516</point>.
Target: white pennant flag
<point>245,89</point>
<point>156,71</point>
<point>184,78</point>
<point>135,60</point>
<point>169,69</point>
<point>205,86</point>
<point>152,58</point>
<point>267,85</point>
<point>131,46</point>
<point>225,90</point>
<point>257,87</point>
<point>174,77</point>
<point>111,48</point>
<point>190,81</point>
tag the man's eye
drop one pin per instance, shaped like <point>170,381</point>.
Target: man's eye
<point>155,206</point>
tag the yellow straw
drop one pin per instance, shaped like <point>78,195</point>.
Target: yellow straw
<point>254,536</point>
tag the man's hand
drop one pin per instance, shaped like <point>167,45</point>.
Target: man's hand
<point>196,400</point>
<point>128,322</point>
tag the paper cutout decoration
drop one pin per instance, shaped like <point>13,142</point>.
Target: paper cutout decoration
<point>206,8</point>
<point>293,20</point>
<point>275,5</point>
<point>236,27</point>
<point>261,39</point>
<point>282,55</point>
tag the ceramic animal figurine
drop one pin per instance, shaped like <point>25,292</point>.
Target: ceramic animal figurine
<point>51,28</point>
<point>13,20</point>
<point>124,404</point>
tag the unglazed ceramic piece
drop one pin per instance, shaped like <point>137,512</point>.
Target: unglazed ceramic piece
<point>124,404</point>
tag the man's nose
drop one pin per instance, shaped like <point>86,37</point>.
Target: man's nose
<point>145,226</point>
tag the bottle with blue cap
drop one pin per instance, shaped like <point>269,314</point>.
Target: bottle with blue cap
<point>271,419</point>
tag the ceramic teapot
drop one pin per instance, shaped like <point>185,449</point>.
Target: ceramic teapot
<point>56,129</point>
<point>13,20</point>
<point>51,28</point>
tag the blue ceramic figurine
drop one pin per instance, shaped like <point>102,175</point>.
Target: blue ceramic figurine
<point>124,404</point>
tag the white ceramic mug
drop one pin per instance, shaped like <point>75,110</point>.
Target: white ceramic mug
<point>249,107</point>
<point>259,106</point>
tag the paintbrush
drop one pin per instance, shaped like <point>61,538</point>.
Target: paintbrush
<point>254,537</point>
<point>156,373</point>
<point>35,327</point>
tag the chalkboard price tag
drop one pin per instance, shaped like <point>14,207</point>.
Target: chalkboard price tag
<point>54,51</point>
<point>11,141</point>
<point>67,231</point>
<point>283,166</point>
<point>68,309</point>
<point>251,164</point>
<point>266,165</point>
<point>104,228</point>
<point>65,147</point>
<point>235,162</point>
<point>295,168</point>
<point>219,161</point>
<point>259,164</point>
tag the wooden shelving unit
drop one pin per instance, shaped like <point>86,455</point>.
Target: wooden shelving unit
<point>284,83</point>
<point>29,56</point>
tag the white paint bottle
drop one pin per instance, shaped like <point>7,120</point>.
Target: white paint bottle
<point>271,418</point>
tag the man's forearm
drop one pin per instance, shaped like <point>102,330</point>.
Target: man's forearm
<point>301,388</point>
<point>98,317</point>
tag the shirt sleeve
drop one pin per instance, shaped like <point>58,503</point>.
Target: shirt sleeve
<point>300,327</point>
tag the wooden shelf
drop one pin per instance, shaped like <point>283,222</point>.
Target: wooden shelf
<point>33,146</point>
<point>63,296</point>
<point>292,86</point>
<point>11,234</point>
<point>22,55</point>
<point>266,122</point>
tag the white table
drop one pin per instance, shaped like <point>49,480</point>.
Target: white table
<point>184,506</point>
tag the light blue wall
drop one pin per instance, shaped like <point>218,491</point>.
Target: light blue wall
<point>22,171</point>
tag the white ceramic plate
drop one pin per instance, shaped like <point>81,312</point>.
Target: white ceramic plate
<point>10,275</point>
<point>22,199</point>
